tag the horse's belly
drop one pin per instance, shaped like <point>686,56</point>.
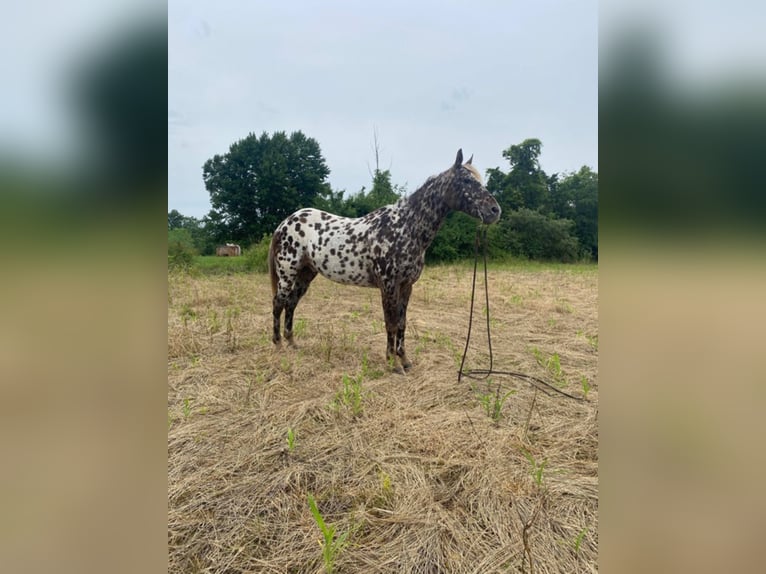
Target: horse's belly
<point>347,275</point>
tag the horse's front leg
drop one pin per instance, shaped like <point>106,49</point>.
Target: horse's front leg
<point>401,326</point>
<point>391,316</point>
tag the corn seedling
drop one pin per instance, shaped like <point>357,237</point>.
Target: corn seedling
<point>551,364</point>
<point>593,341</point>
<point>187,409</point>
<point>493,402</point>
<point>537,468</point>
<point>350,396</point>
<point>290,439</point>
<point>331,546</point>
<point>585,386</point>
<point>578,539</point>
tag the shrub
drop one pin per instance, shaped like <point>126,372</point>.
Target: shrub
<point>257,256</point>
<point>181,250</point>
<point>533,235</point>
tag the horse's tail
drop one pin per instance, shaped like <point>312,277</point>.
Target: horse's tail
<point>272,263</point>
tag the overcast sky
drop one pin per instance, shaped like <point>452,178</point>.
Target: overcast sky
<point>429,76</point>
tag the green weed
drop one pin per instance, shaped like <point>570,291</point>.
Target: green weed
<point>564,307</point>
<point>385,484</point>
<point>367,371</point>
<point>187,314</point>
<point>299,327</point>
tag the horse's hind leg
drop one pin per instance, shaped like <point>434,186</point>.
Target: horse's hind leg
<point>302,281</point>
<point>277,305</point>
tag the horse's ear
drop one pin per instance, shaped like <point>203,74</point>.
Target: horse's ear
<point>459,158</point>
<point>470,159</point>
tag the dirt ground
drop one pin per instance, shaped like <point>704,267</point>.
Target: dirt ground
<point>416,472</point>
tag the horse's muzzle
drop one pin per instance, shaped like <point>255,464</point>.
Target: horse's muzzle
<point>491,214</point>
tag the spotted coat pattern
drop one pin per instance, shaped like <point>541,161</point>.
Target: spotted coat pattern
<point>383,249</point>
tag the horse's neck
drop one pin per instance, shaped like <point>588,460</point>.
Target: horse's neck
<point>423,213</point>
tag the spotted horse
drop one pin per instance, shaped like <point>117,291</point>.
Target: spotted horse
<point>383,249</point>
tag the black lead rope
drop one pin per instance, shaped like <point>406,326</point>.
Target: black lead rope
<point>480,374</point>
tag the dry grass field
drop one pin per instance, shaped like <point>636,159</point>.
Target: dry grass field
<point>415,472</point>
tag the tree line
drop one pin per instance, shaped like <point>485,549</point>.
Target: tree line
<point>263,179</point>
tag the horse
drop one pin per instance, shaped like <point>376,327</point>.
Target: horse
<point>384,249</point>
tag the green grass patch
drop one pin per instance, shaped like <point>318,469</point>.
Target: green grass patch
<point>510,263</point>
<point>214,265</point>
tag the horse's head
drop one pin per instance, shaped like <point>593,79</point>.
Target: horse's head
<point>467,193</point>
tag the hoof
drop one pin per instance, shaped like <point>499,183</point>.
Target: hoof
<point>395,366</point>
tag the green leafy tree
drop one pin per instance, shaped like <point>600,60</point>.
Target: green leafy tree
<point>544,217</point>
<point>262,180</point>
<point>575,197</point>
<point>383,192</point>
<point>335,202</point>
<point>199,232</point>
<point>177,220</point>
<point>526,184</point>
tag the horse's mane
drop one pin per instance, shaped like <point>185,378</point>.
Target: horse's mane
<point>474,171</point>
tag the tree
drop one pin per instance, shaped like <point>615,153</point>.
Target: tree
<point>262,180</point>
<point>382,193</point>
<point>176,220</point>
<point>576,198</point>
<point>544,217</point>
<point>526,184</point>
<point>201,233</point>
